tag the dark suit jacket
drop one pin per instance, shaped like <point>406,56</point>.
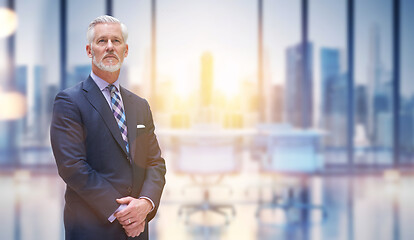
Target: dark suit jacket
<point>91,158</point>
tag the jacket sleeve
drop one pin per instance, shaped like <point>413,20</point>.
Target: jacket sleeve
<point>155,169</point>
<point>67,135</point>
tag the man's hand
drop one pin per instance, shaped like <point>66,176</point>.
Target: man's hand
<point>132,218</point>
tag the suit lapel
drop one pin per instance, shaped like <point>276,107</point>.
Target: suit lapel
<point>131,118</point>
<point>98,101</point>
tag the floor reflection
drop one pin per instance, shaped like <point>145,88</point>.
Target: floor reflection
<point>363,207</point>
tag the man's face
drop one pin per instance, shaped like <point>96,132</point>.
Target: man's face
<point>108,48</point>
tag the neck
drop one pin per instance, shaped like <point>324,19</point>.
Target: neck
<point>109,77</point>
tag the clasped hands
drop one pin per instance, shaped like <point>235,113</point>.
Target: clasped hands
<point>132,218</point>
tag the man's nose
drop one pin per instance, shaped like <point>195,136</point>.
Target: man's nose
<point>109,46</point>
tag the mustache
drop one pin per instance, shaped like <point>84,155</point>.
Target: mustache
<point>111,54</point>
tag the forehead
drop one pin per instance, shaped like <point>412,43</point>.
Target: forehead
<point>108,30</point>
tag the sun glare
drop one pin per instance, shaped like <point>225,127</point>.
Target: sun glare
<point>227,81</point>
<point>13,105</point>
<point>8,18</point>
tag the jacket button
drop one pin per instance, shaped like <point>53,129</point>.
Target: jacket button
<point>129,190</point>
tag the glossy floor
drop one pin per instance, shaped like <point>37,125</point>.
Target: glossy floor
<point>267,206</point>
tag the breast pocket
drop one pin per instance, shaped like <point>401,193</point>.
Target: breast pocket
<point>141,131</point>
<point>141,147</point>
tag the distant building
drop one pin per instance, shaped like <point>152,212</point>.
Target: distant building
<point>379,93</point>
<point>21,79</point>
<point>38,127</point>
<point>206,87</point>
<point>299,86</point>
<point>334,99</point>
<point>277,104</point>
<point>206,112</point>
<point>21,86</point>
<point>80,73</point>
<point>406,133</point>
<point>361,105</point>
<point>329,78</point>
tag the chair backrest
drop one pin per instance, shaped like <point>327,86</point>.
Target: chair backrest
<point>207,154</point>
<point>291,151</point>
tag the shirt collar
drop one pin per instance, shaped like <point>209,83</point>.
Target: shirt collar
<point>102,84</point>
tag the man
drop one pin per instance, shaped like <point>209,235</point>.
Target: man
<point>105,148</point>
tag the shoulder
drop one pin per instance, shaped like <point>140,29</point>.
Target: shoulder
<point>72,96</point>
<point>73,91</point>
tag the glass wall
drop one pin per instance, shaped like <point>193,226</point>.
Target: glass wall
<point>4,72</point>
<point>373,90</point>
<point>327,35</point>
<point>31,76</point>
<point>406,83</point>
<point>281,35</point>
<point>37,74</point>
<point>188,50</point>
<point>206,62</point>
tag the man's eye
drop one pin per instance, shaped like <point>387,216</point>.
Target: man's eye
<point>101,41</point>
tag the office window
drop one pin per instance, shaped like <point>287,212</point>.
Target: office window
<point>406,111</point>
<point>327,35</point>
<point>206,62</point>
<point>136,70</point>
<point>373,89</point>
<point>281,35</point>
<point>4,72</point>
<point>79,14</point>
<point>36,76</point>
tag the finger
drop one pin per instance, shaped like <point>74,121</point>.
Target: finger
<point>124,200</point>
<point>124,213</point>
<point>124,218</point>
<point>126,222</point>
<point>136,230</point>
<point>131,233</point>
<point>129,216</point>
<point>141,227</point>
<point>135,226</point>
<point>131,228</point>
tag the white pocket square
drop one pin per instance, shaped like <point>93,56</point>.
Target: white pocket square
<point>140,126</point>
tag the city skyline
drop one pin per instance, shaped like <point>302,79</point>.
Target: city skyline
<point>233,47</point>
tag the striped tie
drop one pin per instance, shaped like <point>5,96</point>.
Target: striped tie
<point>119,114</point>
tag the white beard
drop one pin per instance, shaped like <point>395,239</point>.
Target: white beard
<point>110,68</point>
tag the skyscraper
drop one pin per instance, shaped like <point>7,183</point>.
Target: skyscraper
<point>299,86</point>
<point>361,105</point>
<point>81,72</point>
<point>329,78</point>
<point>379,93</point>
<point>333,98</point>
<point>206,112</point>
<point>206,88</point>
<point>277,104</point>
<point>21,86</point>
<point>39,128</point>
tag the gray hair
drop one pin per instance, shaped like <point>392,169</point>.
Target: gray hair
<point>105,19</point>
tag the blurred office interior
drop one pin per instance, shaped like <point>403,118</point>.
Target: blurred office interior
<point>278,119</point>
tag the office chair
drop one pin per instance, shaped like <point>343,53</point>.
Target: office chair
<point>206,154</point>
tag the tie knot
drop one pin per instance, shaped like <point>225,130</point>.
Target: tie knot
<point>112,88</point>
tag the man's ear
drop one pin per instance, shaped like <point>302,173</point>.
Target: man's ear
<point>89,50</point>
<point>126,51</point>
